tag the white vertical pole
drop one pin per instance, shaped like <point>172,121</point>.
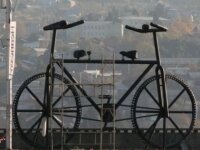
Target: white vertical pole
<point>9,81</point>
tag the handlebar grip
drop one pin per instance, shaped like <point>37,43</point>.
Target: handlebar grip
<point>134,29</point>
<point>74,24</point>
<point>158,27</point>
<point>62,25</point>
<point>57,25</point>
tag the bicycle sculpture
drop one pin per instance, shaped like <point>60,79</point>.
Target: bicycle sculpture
<point>162,101</point>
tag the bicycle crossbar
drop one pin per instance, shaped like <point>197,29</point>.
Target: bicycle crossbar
<point>106,61</point>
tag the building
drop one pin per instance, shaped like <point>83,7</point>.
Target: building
<point>96,29</point>
<point>139,21</point>
<point>106,29</point>
<point>40,51</point>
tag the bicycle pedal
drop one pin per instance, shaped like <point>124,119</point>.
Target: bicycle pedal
<point>108,112</point>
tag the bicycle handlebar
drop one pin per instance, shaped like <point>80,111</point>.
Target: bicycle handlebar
<point>134,29</point>
<point>62,25</point>
<point>164,29</point>
<point>146,29</point>
<point>74,24</point>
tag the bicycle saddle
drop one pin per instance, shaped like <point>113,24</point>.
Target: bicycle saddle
<point>57,25</point>
<point>129,54</point>
<point>79,53</point>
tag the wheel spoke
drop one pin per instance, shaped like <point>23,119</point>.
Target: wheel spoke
<point>61,110</point>
<point>36,98</point>
<point>69,107</point>
<point>38,121</point>
<point>29,110</point>
<point>123,119</point>
<point>180,112</point>
<point>151,95</point>
<point>147,111</point>
<point>122,105</point>
<point>176,126</point>
<point>153,125</point>
<point>176,98</point>
<point>164,133</point>
<point>64,115</point>
<point>147,108</point>
<point>84,118</point>
<point>61,96</point>
<point>145,116</point>
<point>36,134</point>
<point>57,121</point>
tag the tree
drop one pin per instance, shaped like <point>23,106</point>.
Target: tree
<point>180,26</point>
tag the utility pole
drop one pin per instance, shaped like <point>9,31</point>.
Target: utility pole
<point>9,83</point>
<point>11,36</point>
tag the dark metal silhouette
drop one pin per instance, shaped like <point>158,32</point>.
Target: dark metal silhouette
<point>158,108</point>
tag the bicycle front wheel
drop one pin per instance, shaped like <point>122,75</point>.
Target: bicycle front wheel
<point>38,126</point>
<point>158,130</point>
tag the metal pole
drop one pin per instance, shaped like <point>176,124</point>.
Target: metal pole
<point>9,82</point>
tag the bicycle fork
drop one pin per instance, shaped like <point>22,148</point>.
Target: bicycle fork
<point>162,92</point>
<point>162,99</point>
<point>48,97</point>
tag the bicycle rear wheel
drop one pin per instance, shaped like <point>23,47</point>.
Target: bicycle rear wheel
<point>31,118</point>
<point>147,116</point>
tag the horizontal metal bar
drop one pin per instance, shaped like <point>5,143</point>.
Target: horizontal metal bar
<point>96,61</point>
<point>123,135</point>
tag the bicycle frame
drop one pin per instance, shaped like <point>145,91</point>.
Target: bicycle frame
<point>125,95</point>
<point>150,64</point>
<point>156,112</point>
